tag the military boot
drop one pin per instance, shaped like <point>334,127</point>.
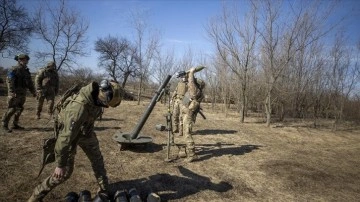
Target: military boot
<point>182,153</point>
<point>5,128</point>
<point>191,156</point>
<point>103,183</point>
<point>176,129</point>
<point>17,127</point>
<point>37,115</point>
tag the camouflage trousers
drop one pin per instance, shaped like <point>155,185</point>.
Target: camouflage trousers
<point>90,146</point>
<point>15,107</point>
<point>188,121</point>
<point>177,115</point>
<point>40,103</point>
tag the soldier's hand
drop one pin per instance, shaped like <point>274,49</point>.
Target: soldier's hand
<point>59,173</point>
<point>192,69</point>
<point>12,95</point>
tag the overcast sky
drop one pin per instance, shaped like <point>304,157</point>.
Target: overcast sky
<point>181,22</point>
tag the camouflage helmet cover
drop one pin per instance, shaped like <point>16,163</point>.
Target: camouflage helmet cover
<point>117,94</point>
<point>50,64</point>
<point>22,56</point>
<point>110,93</point>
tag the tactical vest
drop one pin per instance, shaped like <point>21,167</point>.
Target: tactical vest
<point>49,78</point>
<point>19,79</point>
<point>181,89</point>
<point>68,93</point>
<point>198,97</point>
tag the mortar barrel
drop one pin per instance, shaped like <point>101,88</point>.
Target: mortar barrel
<point>149,109</point>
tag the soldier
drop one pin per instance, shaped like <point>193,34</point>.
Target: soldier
<point>47,87</point>
<point>18,80</point>
<point>190,107</point>
<point>176,100</point>
<point>75,126</point>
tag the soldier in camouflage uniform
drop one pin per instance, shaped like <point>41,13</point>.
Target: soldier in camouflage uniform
<point>189,109</point>
<point>176,99</point>
<point>18,80</point>
<point>47,87</point>
<point>75,126</point>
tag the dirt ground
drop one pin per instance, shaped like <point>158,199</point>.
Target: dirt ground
<point>238,162</point>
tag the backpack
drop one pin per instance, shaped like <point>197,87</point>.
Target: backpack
<point>61,104</point>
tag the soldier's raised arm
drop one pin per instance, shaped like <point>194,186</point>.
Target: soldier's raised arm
<point>191,85</point>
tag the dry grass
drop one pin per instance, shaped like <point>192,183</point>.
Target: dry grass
<point>238,162</point>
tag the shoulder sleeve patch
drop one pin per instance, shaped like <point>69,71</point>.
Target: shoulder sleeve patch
<point>11,74</point>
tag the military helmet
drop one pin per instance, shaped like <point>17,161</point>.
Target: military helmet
<point>50,64</point>
<point>110,93</point>
<point>180,74</point>
<point>118,94</point>
<point>22,56</point>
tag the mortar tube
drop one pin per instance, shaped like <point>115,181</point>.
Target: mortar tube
<point>135,132</point>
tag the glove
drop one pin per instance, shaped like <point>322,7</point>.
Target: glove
<point>38,93</point>
<point>12,95</point>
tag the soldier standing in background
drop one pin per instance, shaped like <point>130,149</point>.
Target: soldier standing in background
<point>189,109</point>
<point>176,100</point>
<point>47,87</point>
<point>75,126</point>
<point>18,80</point>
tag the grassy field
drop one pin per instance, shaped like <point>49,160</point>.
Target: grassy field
<point>238,162</point>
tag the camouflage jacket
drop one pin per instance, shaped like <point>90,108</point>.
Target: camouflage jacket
<point>180,90</point>
<point>194,95</point>
<point>19,79</point>
<point>76,119</point>
<point>47,80</point>
<point>195,90</point>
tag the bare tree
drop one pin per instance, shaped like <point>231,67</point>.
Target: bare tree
<point>225,80</point>
<point>62,31</point>
<point>186,61</point>
<point>15,27</point>
<point>318,83</point>
<point>164,64</point>
<point>146,43</point>
<point>118,57</point>
<point>82,75</point>
<point>284,37</point>
<point>342,77</point>
<point>213,84</point>
<point>235,41</point>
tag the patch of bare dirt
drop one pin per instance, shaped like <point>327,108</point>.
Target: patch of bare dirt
<point>238,162</point>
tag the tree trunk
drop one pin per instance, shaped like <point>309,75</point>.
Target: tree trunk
<point>139,91</point>
<point>268,109</point>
